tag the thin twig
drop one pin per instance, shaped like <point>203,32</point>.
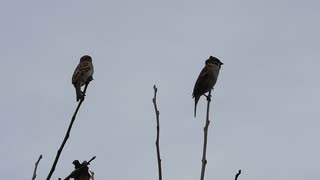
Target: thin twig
<point>68,133</point>
<point>237,175</point>
<point>154,100</point>
<point>79,169</point>
<point>205,139</point>
<point>35,168</point>
<point>92,175</point>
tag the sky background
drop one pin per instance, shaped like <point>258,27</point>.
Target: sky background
<point>265,108</point>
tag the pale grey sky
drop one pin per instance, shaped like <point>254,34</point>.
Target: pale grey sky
<point>265,117</point>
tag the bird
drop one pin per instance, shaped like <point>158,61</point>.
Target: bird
<point>76,164</point>
<point>82,74</point>
<point>206,80</point>
<point>80,171</point>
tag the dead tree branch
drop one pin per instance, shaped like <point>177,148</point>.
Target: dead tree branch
<point>205,139</point>
<point>154,100</point>
<point>68,132</point>
<point>237,175</point>
<point>35,168</point>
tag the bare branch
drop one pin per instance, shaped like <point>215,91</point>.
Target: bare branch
<point>205,139</point>
<point>68,132</point>
<point>154,100</point>
<point>237,175</point>
<point>35,168</point>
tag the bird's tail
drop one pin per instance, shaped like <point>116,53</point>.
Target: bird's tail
<point>196,99</point>
<point>79,93</point>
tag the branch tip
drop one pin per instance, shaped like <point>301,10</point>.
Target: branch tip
<point>36,167</point>
<point>237,175</point>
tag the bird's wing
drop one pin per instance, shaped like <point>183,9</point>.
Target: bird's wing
<point>82,69</point>
<point>201,79</point>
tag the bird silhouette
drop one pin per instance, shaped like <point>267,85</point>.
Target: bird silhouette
<point>206,80</point>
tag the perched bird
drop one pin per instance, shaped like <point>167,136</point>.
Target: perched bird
<point>76,164</point>
<point>82,74</point>
<point>206,80</point>
<point>80,172</point>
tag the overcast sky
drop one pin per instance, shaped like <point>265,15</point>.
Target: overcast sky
<point>265,108</point>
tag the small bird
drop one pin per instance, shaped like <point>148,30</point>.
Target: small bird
<point>206,80</point>
<point>76,164</point>
<point>82,74</point>
<point>80,172</point>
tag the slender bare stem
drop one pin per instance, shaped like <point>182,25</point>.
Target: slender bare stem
<point>154,100</point>
<point>35,168</point>
<point>205,139</point>
<point>68,133</point>
<point>237,175</point>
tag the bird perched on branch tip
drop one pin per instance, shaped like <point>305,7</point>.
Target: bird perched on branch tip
<point>82,74</point>
<point>206,80</point>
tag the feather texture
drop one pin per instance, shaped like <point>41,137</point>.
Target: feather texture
<point>82,74</point>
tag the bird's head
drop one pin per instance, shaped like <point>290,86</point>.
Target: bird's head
<point>76,163</point>
<point>214,60</point>
<point>85,58</point>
